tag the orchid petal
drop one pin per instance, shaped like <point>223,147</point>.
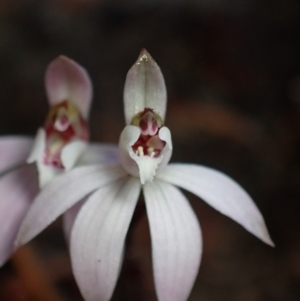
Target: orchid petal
<point>176,241</point>
<point>67,80</point>
<point>14,150</point>
<point>220,192</point>
<point>98,237</point>
<point>61,194</point>
<point>38,147</point>
<point>17,190</point>
<point>69,219</point>
<point>71,152</point>
<point>98,153</point>
<point>144,88</point>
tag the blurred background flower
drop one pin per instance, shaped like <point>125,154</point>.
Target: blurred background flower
<point>232,70</point>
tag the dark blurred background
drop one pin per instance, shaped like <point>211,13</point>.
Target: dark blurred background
<point>232,70</point>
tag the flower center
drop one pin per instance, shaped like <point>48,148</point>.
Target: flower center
<point>149,143</point>
<point>63,124</point>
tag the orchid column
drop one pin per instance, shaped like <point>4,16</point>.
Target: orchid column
<point>100,228</point>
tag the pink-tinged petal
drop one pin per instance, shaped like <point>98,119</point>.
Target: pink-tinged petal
<point>67,80</point>
<point>69,219</point>
<point>144,88</point>
<point>61,194</point>
<point>220,192</point>
<point>14,150</point>
<point>38,147</point>
<point>98,237</point>
<point>71,152</point>
<point>176,241</point>
<point>98,153</point>
<point>17,190</point>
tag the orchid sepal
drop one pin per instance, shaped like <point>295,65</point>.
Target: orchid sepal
<point>67,80</point>
<point>144,88</point>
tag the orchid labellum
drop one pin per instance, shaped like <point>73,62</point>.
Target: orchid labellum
<point>101,224</point>
<point>59,145</point>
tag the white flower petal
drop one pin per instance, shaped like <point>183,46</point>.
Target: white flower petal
<point>98,237</point>
<point>220,192</point>
<point>69,219</point>
<point>144,88</point>
<point>14,150</point>
<point>176,241</point>
<point>67,80</point>
<point>17,190</point>
<point>71,152</point>
<point>62,193</point>
<point>99,153</point>
<point>38,148</point>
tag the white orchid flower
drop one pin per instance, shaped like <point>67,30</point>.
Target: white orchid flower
<point>101,224</point>
<point>59,145</point>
